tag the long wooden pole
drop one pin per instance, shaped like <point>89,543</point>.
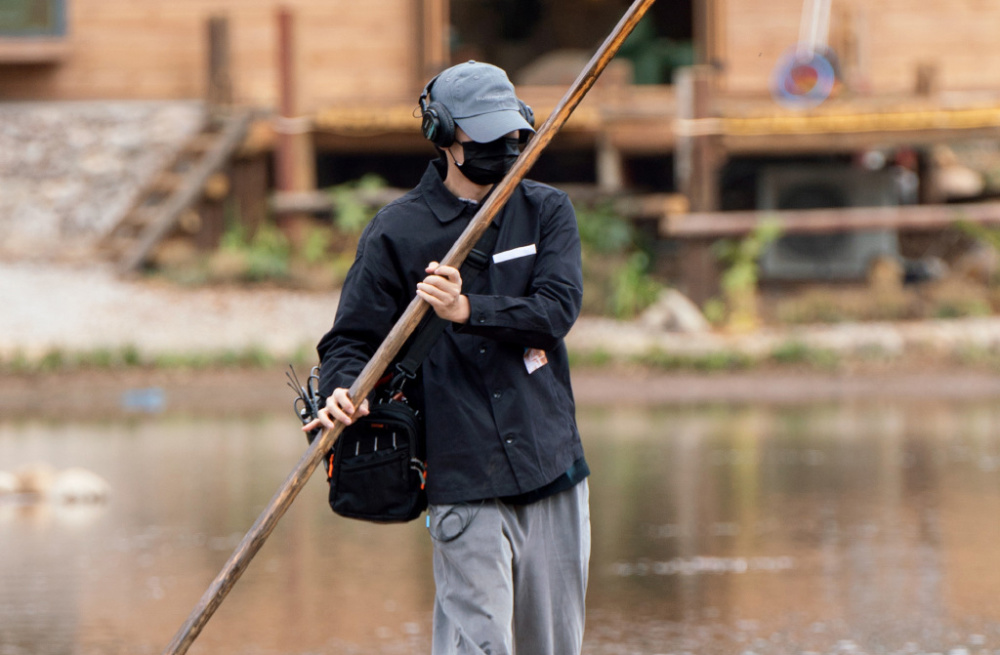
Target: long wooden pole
<point>416,310</point>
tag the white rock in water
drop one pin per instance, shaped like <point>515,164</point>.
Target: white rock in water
<point>35,479</point>
<point>8,483</point>
<point>77,485</point>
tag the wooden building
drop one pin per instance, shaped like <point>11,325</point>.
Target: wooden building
<point>344,88</point>
<point>358,66</point>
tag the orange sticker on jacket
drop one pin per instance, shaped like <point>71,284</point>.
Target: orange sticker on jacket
<point>534,359</point>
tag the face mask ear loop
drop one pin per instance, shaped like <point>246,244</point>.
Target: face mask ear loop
<point>448,150</point>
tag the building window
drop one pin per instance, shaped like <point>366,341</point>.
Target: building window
<point>32,18</point>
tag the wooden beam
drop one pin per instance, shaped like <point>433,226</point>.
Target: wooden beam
<point>320,202</point>
<point>822,221</point>
<point>848,142</point>
<point>33,50</point>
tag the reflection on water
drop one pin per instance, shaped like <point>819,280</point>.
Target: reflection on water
<point>828,529</point>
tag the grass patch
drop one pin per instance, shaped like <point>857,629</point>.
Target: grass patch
<point>722,360</point>
<point>596,357</point>
<point>796,353</point>
<point>791,353</point>
<point>979,356</point>
<point>129,357</point>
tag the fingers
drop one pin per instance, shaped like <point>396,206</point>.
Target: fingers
<point>442,286</point>
<point>451,273</point>
<point>339,408</point>
<point>436,294</point>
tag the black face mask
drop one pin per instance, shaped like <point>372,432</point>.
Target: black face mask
<point>487,163</point>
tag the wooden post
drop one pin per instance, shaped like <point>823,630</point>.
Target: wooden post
<point>927,81</point>
<point>708,22</point>
<point>284,156</point>
<point>610,167</point>
<point>219,101</point>
<point>219,94</point>
<point>250,191</point>
<point>294,156</point>
<point>435,49</point>
<point>698,159</point>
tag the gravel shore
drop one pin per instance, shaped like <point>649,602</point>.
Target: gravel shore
<point>83,308</point>
<point>86,308</point>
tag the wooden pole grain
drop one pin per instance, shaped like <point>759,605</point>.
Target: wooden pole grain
<point>296,480</point>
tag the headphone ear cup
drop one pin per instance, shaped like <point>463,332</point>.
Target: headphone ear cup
<point>437,125</point>
<point>528,115</point>
<point>527,112</point>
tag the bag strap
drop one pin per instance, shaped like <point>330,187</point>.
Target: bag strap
<point>433,325</point>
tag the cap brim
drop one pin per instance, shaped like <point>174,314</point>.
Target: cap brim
<point>490,127</point>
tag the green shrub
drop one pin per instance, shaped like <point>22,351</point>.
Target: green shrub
<point>632,288</point>
<point>350,213</point>
<point>616,267</point>
<point>740,277</point>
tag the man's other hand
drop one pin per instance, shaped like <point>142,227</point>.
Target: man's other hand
<point>442,290</point>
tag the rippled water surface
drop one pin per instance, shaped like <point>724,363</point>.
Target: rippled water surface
<point>829,529</point>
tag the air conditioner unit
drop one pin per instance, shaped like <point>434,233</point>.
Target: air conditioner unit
<point>838,256</point>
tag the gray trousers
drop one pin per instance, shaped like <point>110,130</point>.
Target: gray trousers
<point>511,579</point>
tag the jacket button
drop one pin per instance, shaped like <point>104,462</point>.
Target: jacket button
<point>509,440</point>
<point>482,350</point>
<point>482,319</point>
<point>497,394</point>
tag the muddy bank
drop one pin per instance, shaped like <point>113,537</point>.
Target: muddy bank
<point>86,313</point>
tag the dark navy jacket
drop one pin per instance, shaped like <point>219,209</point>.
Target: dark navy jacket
<point>493,429</point>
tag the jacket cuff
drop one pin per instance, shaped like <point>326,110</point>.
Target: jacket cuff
<point>481,312</point>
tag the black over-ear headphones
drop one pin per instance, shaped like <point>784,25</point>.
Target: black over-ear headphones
<point>438,126</point>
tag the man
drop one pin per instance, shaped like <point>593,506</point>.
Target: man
<point>508,514</point>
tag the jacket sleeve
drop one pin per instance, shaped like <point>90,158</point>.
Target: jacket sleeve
<point>368,309</point>
<point>542,317</point>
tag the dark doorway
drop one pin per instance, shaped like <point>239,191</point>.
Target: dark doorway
<point>546,41</point>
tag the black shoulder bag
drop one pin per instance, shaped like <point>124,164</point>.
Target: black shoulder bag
<point>377,469</point>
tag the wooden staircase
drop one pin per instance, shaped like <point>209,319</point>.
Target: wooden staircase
<point>159,206</point>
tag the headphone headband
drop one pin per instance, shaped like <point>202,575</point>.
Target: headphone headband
<point>438,126</point>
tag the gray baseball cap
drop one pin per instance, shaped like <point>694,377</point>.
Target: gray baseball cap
<point>481,100</point>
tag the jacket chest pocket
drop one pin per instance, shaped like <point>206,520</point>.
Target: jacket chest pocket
<point>511,276</point>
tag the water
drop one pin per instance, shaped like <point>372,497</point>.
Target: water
<point>850,528</point>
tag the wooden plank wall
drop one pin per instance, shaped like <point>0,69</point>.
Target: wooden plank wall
<point>156,49</point>
<point>350,50</point>
<point>880,43</point>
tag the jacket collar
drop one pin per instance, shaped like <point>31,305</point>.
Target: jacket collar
<point>442,202</point>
